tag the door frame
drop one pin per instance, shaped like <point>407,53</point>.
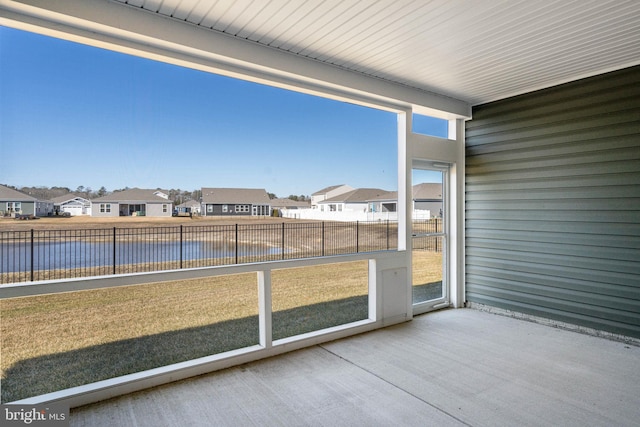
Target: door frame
<point>444,300</point>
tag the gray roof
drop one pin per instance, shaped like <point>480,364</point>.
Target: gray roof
<point>388,196</point>
<point>359,195</point>
<point>427,191</point>
<point>288,203</point>
<point>327,189</point>
<point>66,197</point>
<point>11,195</point>
<point>218,196</point>
<point>189,204</point>
<point>134,195</point>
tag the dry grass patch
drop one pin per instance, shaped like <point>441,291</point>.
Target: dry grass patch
<point>90,222</point>
<point>58,341</point>
<point>427,275</point>
<point>311,298</point>
<point>427,267</point>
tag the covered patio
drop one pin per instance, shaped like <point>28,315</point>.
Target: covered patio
<point>460,367</point>
<point>541,202</point>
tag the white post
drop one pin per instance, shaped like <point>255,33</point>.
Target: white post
<point>456,221</point>
<point>404,182</point>
<point>405,200</point>
<point>264,304</point>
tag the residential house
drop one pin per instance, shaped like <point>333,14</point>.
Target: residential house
<point>133,202</point>
<point>372,204</point>
<point>71,204</point>
<point>352,201</point>
<point>279,206</point>
<point>14,203</point>
<point>329,192</point>
<point>427,198</point>
<point>235,201</point>
<point>427,201</point>
<point>191,207</point>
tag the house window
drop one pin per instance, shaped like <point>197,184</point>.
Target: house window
<point>105,207</point>
<point>164,208</point>
<point>209,208</point>
<point>242,208</point>
<point>14,206</point>
<point>225,208</point>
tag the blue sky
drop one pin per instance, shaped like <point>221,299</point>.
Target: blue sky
<point>74,115</point>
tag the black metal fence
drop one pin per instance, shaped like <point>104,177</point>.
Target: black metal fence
<point>422,238</point>
<point>60,254</point>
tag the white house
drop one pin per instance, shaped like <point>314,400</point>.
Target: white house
<point>329,192</point>
<point>71,204</point>
<point>351,201</point>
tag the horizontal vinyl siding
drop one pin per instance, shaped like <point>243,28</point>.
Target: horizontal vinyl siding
<point>553,203</point>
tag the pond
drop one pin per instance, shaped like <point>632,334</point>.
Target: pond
<point>17,257</point>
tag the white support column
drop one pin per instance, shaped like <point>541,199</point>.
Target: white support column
<point>264,304</point>
<point>457,221</point>
<point>405,199</point>
<point>404,182</point>
<point>375,301</point>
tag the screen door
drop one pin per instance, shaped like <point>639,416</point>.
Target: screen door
<point>429,236</point>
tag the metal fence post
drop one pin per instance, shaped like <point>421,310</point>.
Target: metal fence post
<point>387,234</point>
<point>236,243</point>
<point>322,238</point>
<point>283,240</point>
<point>32,252</point>
<point>180,245</point>
<point>114,250</point>
<point>357,236</point>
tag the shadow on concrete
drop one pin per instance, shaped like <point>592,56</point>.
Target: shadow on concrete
<point>427,291</point>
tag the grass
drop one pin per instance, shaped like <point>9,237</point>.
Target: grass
<point>57,341</point>
<point>89,222</point>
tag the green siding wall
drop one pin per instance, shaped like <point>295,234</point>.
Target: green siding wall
<point>553,203</point>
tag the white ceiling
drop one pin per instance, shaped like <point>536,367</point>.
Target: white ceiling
<point>472,50</point>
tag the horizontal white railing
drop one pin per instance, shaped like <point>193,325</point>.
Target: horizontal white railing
<point>342,216</point>
<point>347,216</point>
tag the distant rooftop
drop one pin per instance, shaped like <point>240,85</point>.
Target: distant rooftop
<point>9,194</point>
<point>235,196</point>
<point>67,197</point>
<point>327,189</point>
<point>135,195</point>
<point>357,195</point>
<point>288,203</point>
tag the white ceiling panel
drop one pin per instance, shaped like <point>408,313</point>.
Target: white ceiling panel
<point>475,51</point>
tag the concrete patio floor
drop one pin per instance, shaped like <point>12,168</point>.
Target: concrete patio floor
<point>446,368</point>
